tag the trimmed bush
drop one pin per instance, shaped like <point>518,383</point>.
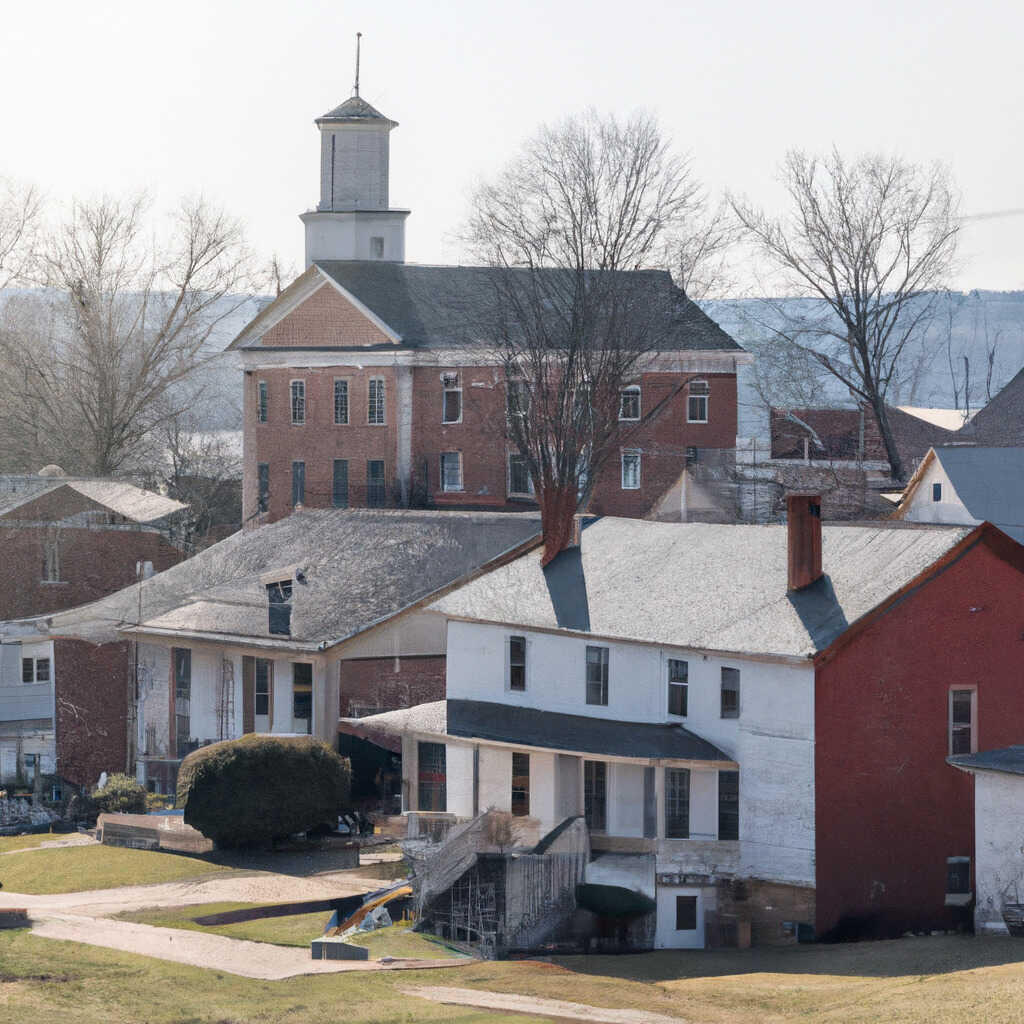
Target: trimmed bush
<point>260,788</point>
<point>121,795</point>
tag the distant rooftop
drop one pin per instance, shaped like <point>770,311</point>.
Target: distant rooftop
<point>122,498</point>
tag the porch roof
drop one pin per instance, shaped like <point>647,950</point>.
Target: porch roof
<point>530,727</point>
<point>1009,760</point>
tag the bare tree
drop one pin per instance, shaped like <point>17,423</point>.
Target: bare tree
<point>20,217</point>
<point>578,230</point>
<point>873,240</point>
<point>100,362</point>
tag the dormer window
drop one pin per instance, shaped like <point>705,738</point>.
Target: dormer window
<point>279,608</point>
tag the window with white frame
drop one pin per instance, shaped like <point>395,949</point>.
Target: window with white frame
<point>597,675</point>
<point>631,469</point>
<point>262,401</point>
<point>298,389</point>
<point>963,720</point>
<point>340,401</point>
<point>697,402</point>
<point>375,402</point>
<point>451,471</point>
<point>520,483</point>
<point>629,403</point>
<point>35,670</point>
<point>678,686</point>
<point>517,663</point>
<point>451,401</point>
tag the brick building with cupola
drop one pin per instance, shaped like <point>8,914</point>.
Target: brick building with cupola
<point>367,381</point>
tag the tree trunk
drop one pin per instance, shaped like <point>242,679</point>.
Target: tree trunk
<point>895,462</point>
<point>557,509</point>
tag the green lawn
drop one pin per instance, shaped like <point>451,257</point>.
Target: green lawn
<point>942,980</point>
<point>76,868</point>
<point>293,930</point>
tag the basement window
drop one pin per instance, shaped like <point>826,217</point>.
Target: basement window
<point>958,881</point>
<point>279,608</point>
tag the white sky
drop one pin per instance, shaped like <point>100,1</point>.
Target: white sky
<point>219,97</point>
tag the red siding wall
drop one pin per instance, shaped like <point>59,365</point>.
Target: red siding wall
<point>94,562</point>
<point>374,683</point>
<point>92,686</point>
<point>889,810</point>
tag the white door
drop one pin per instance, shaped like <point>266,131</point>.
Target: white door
<point>680,923</point>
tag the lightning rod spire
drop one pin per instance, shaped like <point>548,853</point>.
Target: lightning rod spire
<point>359,36</point>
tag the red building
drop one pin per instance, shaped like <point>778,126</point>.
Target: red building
<point>368,381</point>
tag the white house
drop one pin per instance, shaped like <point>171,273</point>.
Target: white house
<point>968,485</point>
<point>27,740</point>
<point>998,839</point>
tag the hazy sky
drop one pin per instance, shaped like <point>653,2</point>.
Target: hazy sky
<point>219,97</point>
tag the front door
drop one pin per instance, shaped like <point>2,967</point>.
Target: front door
<point>680,923</point>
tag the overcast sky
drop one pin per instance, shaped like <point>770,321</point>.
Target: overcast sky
<point>219,97</point>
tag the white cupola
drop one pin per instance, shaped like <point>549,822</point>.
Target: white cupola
<point>353,221</point>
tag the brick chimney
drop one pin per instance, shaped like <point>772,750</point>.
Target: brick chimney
<point>803,516</point>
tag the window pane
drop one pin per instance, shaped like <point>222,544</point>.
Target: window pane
<point>451,471</point>
<point>261,402</point>
<point>958,875</point>
<point>302,694</point>
<point>677,803</point>
<point>520,784</point>
<point>519,481</point>
<point>595,795</point>
<point>28,670</point>
<point>517,663</point>
<point>686,913</point>
<point>678,671</point>
<point>263,486</point>
<point>432,787</point>
<point>298,483</point>
<point>630,470</point>
<point>728,805</point>
<point>629,408</point>
<point>375,406</point>
<point>452,405</point>
<point>279,608</point>
<point>597,675</point>
<point>730,693</point>
<point>341,401</point>
<point>261,703</point>
<point>298,401</point>
<point>677,699</point>
<point>375,488</point>
<point>42,670</point>
<point>339,487</point>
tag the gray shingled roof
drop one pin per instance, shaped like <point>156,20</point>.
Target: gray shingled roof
<point>125,499</point>
<point>1006,759</point>
<point>355,108</point>
<point>990,483</point>
<point>507,723</point>
<point>1001,422</point>
<point>706,587</point>
<point>444,307</point>
<point>361,566</point>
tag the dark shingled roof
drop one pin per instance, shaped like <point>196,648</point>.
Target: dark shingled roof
<point>442,307</point>
<point>354,109</point>
<point>990,483</point>
<point>532,727</point>
<point>1009,760</point>
<point>1001,422</point>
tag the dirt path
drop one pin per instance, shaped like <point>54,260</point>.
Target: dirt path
<point>556,1008</point>
<point>216,952</point>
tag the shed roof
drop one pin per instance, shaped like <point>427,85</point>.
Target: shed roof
<point>432,307</point>
<point>531,727</point>
<point>704,586</point>
<point>360,566</point>
<point>1009,760</point>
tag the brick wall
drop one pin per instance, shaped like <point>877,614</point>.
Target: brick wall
<point>92,684</point>
<point>771,908</point>
<point>94,562</point>
<point>386,684</point>
<point>326,318</point>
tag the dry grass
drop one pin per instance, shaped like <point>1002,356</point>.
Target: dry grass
<point>8,844</point>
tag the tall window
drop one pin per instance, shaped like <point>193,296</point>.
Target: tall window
<point>263,486</point>
<point>962,725</point>
<point>520,784</point>
<point>517,397</point>
<point>182,698</point>
<point>629,403</point>
<point>261,401</point>
<point>936,492</point>
<point>298,401</point>
<point>697,402</point>
<point>279,608</point>
<point>376,491</point>
<point>677,803</point>
<point>262,694</point>
<point>432,788</point>
<point>630,469</point>
<point>728,805</point>
<point>730,693</point>
<point>595,795</point>
<point>302,697</point>
<point>51,560</point>
<point>519,480</point>
<point>451,405</point>
<point>298,483</point>
<point>517,663</point>
<point>597,675</point>
<point>341,401</point>
<point>339,484</point>
<point>451,471</point>
<point>678,678</point>
<point>375,402</point>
